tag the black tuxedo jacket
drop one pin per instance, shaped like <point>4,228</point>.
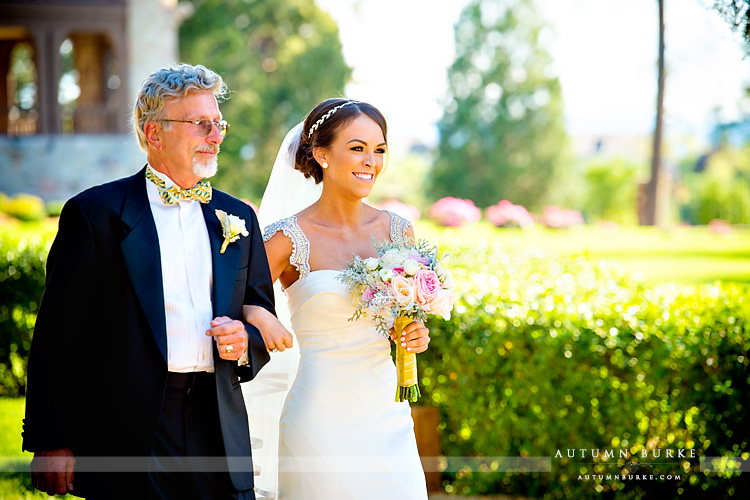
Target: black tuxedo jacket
<point>98,364</point>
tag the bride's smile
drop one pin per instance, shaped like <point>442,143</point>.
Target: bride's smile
<point>354,160</point>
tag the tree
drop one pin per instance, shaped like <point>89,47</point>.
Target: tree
<point>502,134</point>
<point>737,14</point>
<point>280,58</point>
<point>653,212</point>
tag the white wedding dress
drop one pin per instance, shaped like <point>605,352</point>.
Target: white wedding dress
<point>342,435</point>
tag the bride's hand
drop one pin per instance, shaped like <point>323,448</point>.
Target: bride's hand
<point>414,338</point>
<point>275,336</point>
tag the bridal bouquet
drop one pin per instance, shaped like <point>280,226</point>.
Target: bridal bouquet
<point>405,283</point>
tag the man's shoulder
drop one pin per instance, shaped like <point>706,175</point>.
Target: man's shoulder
<point>109,192</point>
<point>229,202</point>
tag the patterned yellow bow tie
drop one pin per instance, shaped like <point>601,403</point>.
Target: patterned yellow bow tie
<point>170,195</point>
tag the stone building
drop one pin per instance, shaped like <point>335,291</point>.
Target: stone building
<point>69,72</point>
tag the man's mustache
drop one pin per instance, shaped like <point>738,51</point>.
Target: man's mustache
<point>208,149</point>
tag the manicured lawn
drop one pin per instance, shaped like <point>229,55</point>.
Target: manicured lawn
<point>14,485</point>
<point>686,255</point>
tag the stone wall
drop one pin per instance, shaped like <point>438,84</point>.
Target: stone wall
<point>153,38</point>
<point>57,167</point>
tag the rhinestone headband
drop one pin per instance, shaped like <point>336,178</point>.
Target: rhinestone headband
<point>326,116</point>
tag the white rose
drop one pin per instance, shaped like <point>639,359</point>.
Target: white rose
<point>386,274</point>
<point>371,263</point>
<point>391,258</point>
<point>442,304</point>
<point>403,288</point>
<point>447,280</point>
<point>411,267</point>
<point>440,270</point>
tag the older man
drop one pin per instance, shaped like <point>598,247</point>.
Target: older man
<point>138,350</point>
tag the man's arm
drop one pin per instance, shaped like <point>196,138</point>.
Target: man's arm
<point>57,355</point>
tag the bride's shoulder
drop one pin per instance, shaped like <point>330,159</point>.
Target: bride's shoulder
<point>286,226</point>
<point>400,227</point>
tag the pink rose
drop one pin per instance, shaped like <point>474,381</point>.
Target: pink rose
<point>442,304</point>
<point>426,286</point>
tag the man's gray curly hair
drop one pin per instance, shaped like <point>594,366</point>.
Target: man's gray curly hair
<point>172,83</point>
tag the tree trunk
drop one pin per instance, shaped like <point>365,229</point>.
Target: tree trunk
<point>653,208</point>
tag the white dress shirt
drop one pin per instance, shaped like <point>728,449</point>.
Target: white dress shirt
<point>187,275</point>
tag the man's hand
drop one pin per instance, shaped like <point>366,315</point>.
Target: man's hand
<point>52,471</point>
<point>414,338</point>
<point>230,336</point>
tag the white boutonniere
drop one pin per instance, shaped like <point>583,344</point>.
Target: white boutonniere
<point>232,226</point>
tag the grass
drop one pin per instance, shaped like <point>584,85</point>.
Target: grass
<point>15,485</point>
<point>685,255</point>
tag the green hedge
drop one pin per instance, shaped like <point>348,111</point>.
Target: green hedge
<point>555,353</point>
<point>23,256</point>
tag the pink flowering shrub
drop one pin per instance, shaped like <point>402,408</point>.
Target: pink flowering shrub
<point>719,226</point>
<point>454,212</point>
<point>560,218</point>
<point>506,214</point>
<point>408,212</point>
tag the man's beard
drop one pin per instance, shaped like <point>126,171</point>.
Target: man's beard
<point>207,168</point>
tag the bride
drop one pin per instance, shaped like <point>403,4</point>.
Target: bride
<point>341,434</point>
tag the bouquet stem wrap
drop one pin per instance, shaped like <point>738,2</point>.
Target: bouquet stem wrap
<point>406,366</point>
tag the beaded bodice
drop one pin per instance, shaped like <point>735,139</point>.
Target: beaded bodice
<point>300,257</point>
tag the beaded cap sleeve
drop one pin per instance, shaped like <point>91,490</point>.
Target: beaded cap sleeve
<point>300,257</point>
<point>399,226</point>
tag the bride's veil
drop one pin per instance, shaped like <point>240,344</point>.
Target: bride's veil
<point>287,192</point>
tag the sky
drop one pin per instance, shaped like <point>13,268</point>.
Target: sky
<point>604,51</point>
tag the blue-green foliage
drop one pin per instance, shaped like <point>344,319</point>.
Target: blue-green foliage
<point>553,353</point>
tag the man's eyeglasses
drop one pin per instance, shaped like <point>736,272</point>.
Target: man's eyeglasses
<point>205,126</point>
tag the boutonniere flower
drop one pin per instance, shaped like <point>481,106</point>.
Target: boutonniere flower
<point>232,226</point>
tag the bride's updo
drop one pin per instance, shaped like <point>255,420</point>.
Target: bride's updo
<point>321,127</point>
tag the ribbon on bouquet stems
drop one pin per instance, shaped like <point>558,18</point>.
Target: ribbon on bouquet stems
<point>406,366</point>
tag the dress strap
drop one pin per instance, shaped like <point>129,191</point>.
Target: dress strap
<point>399,226</point>
<point>300,257</point>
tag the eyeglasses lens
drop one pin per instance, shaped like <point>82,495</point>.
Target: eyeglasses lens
<point>206,125</point>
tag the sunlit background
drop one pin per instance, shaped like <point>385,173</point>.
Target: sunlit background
<point>604,52</point>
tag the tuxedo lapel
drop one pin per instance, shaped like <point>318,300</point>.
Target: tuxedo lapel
<point>140,249</point>
<point>224,264</point>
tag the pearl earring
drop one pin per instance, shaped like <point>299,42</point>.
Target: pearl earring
<point>325,164</point>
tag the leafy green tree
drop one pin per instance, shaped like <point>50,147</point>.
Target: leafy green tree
<point>721,190</point>
<point>737,14</point>
<point>280,58</point>
<point>612,190</point>
<point>502,134</point>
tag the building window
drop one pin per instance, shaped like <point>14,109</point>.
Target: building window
<point>21,90</point>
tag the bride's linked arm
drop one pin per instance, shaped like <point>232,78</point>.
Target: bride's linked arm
<point>415,336</point>
<point>275,336</point>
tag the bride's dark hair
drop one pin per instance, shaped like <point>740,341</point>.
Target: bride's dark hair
<point>321,127</point>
